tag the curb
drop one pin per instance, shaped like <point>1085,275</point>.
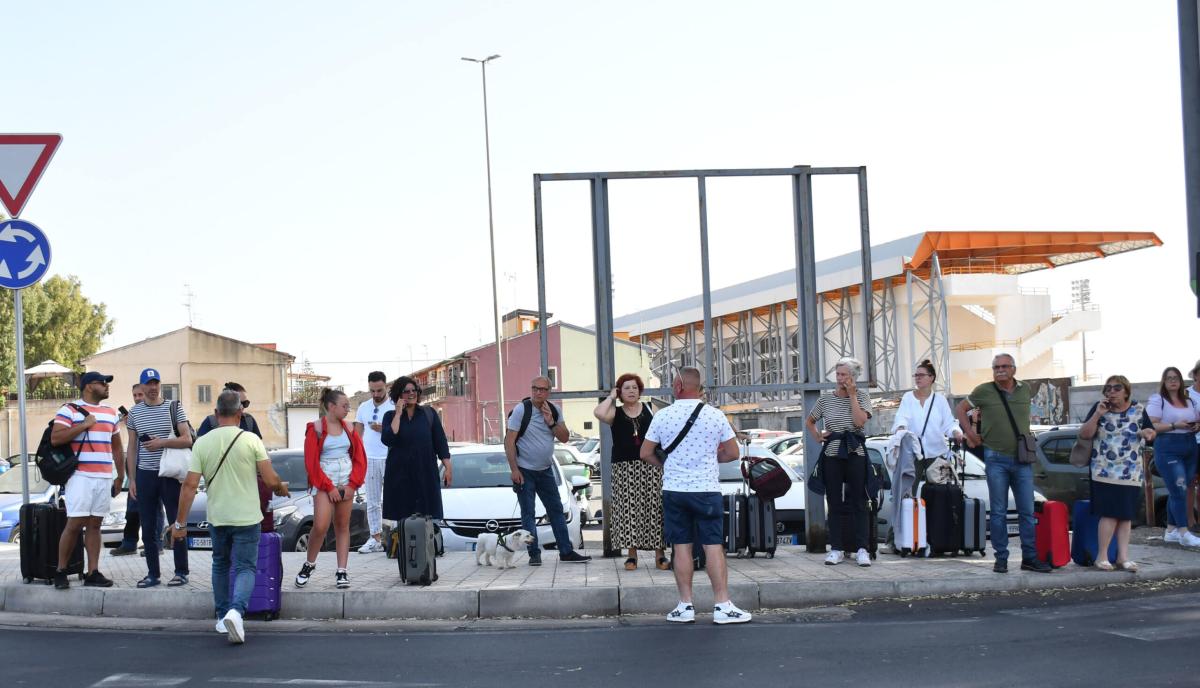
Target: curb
<point>548,603</point>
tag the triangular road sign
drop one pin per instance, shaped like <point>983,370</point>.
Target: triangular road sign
<point>23,158</point>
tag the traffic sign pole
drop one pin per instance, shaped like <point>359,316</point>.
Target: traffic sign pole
<point>20,318</point>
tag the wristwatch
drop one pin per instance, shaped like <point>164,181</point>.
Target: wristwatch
<point>178,526</point>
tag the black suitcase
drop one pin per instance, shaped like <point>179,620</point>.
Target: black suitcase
<point>417,551</point>
<point>944,516</point>
<point>761,518</point>
<point>735,526</point>
<point>41,527</point>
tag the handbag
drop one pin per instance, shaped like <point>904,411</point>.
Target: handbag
<point>766,477</point>
<point>175,461</point>
<point>660,453</point>
<point>1026,445</point>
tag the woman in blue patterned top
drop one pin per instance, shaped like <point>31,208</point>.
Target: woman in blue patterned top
<point>1119,429</point>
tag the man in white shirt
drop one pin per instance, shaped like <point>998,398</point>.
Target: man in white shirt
<point>368,424</point>
<point>693,508</point>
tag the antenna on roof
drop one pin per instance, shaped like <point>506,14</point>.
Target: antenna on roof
<point>189,303</point>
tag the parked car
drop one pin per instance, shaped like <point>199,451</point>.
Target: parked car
<point>112,528</point>
<point>293,514</point>
<point>974,482</point>
<point>778,445</point>
<point>1054,476</point>
<point>789,509</point>
<point>481,500</point>
<point>40,492</point>
<point>760,434</point>
<point>793,456</point>
<point>571,465</point>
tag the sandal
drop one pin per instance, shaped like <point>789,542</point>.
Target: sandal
<point>148,582</point>
<point>1104,566</point>
<point>663,564</point>
<point>177,581</point>
<point>630,564</point>
<point>1129,566</point>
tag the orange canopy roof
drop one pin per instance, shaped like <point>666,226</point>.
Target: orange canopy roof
<point>1019,252</point>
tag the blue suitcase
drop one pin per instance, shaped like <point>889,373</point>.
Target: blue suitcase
<point>1085,538</point>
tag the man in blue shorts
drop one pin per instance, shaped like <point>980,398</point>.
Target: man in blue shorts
<point>697,437</point>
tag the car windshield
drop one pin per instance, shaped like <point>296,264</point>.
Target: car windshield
<point>564,457</point>
<point>290,467</point>
<point>588,445</point>
<point>10,481</point>
<point>485,469</point>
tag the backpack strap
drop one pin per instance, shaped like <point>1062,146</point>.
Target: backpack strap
<point>527,407</point>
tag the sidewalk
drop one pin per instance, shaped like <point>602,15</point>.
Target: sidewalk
<point>793,579</point>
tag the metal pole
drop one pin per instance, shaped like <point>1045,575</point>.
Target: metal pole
<point>605,352</point>
<point>711,362</point>
<point>1189,78</point>
<point>868,280</point>
<point>487,148</point>
<point>539,242</point>
<point>19,312</point>
<point>810,338</point>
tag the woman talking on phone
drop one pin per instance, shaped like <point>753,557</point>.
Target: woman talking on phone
<point>337,464</point>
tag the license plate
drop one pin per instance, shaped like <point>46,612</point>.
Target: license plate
<point>200,543</point>
<point>1014,528</point>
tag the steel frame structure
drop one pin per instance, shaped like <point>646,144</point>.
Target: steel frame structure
<point>930,326</point>
<point>705,348</point>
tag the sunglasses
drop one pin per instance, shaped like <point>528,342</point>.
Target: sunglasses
<point>409,392</point>
<point>1114,388</point>
<point>246,404</point>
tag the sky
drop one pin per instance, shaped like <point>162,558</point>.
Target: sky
<point>313,173</point>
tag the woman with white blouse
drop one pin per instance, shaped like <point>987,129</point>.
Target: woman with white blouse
<point>927,414</point>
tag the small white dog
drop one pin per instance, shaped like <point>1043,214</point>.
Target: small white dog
<point>501,548</point>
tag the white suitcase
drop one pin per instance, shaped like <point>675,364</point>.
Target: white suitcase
<point>910,533</point>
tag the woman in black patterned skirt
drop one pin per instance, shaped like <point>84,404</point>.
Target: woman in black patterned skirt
<point>636,521</point>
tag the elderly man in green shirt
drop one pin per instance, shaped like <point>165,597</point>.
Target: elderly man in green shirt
<point>230,459</point>
<point>1000,458</point>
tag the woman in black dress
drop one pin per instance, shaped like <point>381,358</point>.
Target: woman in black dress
<point>415,440</point>
<point>636,521</point>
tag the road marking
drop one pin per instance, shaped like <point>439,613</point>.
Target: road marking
<point>315,682</point>
<point>145,680</point>
<point>1177,631</point>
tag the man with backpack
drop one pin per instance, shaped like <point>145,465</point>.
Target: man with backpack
<point>533,426</point>
<point>91,430</point>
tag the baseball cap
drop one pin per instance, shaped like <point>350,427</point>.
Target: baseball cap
<point>148,375</point>
<point>92,376</point>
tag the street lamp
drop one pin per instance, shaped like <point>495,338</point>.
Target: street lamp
<point>487,148</point>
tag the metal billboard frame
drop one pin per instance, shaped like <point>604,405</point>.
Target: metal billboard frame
<point>809,379</point>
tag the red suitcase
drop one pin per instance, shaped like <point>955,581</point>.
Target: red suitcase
<point>1051,535</point>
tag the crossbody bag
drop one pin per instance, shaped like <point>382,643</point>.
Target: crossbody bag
<point>1026,445</point>
<point>660,453</point>
<point>209,481</point>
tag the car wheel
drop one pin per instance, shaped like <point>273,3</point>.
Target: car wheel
<point>302,540</point>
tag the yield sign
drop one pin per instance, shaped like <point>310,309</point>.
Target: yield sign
<point>23,158</point>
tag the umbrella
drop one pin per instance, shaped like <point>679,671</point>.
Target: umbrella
<point>48,369</point>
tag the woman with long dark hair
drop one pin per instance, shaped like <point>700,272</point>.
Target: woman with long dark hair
<point>336,464</point>
<point>1176,421</point>
<point>416,441</point>
<point>636,521</point>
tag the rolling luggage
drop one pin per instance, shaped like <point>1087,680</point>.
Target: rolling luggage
<point>417,550</point>
<point>943,517</point>
<point>1051,539</point>
<point>910,534</point>
<point>761,519</point>
<point>735,526</point>
<point>41,527</point>
<point>268,578</point>
<point>1085,538</point>
<point>974,529</point>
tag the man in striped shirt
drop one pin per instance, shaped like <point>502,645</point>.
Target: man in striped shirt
<point>91,430</point>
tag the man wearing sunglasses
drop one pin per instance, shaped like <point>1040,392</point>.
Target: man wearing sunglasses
<point>529,446</point>
<point>247,422</point>
<point>368,424</point>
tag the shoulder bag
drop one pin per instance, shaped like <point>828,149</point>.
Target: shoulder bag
<point>209,481</point>
<point>1081,451</point>
<point>174,461</point>
<point>1026,445</point>
<point>660,453</point>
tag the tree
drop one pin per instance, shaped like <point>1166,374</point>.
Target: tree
<point>61,324</point>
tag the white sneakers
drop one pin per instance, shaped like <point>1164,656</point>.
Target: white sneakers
<point>1187,539</point>
<point>683,612</point>
<point>232,626</point>
<point>727,613</point>
<point>371,545</point>
<point>862,557</point>
<point>723,613</point>
<point>833,558</point>
<point>1172,536</point>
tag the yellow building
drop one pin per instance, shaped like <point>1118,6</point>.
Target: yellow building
<point>195,365</point>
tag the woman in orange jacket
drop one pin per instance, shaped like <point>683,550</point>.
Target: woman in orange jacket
<point>337,464</point>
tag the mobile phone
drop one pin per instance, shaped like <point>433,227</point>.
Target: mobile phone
<point>123,411</point>
<point>144,437</point>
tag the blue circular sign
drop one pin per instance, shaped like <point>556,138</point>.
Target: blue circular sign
<point>24,254</point>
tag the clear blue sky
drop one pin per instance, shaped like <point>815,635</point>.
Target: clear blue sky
<point>315,170</point>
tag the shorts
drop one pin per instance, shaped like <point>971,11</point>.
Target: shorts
<point>337,470</point>
<point>87,496</point>
<point>692,516</point>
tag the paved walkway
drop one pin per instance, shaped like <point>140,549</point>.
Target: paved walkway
<point>793,579</point>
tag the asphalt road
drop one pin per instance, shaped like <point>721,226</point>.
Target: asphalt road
<point>1140,635</point>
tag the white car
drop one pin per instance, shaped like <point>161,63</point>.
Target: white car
<point>789,509</point>
<point>481,500</point>
<point>974,483</point>
<point>779,445</point>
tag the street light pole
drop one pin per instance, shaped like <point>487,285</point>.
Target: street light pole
<point>487,148</point>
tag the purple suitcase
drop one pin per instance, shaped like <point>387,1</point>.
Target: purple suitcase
<point>268,578</point>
